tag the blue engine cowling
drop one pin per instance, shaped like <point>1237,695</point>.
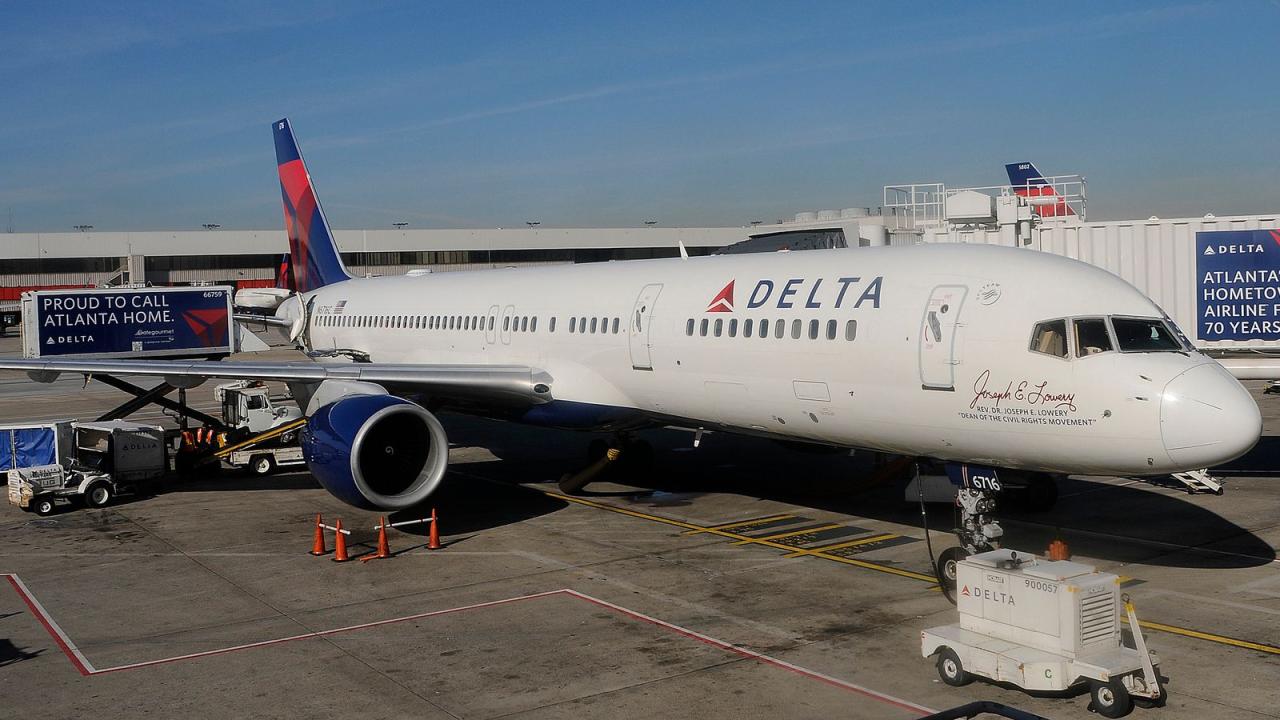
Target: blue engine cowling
<point>376,451</point>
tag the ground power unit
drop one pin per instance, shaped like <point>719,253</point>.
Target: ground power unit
<point>1045,626</point>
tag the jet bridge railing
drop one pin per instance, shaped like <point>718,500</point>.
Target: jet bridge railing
<point>923,205</point>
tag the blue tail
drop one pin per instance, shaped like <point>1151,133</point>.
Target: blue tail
<point>313,254</point>
<point>1023,174</point>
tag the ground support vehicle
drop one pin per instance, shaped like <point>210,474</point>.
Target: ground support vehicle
<point>1046,626</point>
<point>106,459</point>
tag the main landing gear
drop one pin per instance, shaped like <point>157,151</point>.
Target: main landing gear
<point>621,451</point>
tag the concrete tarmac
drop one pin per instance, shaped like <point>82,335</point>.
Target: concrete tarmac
<point>739,578</point>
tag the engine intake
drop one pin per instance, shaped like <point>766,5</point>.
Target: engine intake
<point>376,451</point>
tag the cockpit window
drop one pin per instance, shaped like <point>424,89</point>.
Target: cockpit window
<point>1091,336</point>
<point>1144,335</point>
<point>1050,338</point>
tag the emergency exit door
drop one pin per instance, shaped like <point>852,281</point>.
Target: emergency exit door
<point>642,326</point>
<point>939,351</point>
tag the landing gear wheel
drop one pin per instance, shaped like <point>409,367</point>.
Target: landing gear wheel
<point>98,495</point>
<point>947,570</point>
<point>43,507</point>
<point>262,465</point>
<point>1110,699</point>
<point>951,670</point>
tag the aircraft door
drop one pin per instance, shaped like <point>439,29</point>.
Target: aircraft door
<point>641,327</point>
<point>491,325</point>
<point>939,330</point>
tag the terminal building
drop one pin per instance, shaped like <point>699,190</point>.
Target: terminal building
<point>1217,277</point>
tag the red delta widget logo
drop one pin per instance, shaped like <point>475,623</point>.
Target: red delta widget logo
<point>988,595</point>
<point>816,294</point>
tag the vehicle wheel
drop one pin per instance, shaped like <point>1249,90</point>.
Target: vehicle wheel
<point>43,506</point>
<point>947,570</point>
<point>951,670</point>
<point>262,465</point>
<point>98,495</point>
<point>1110,699</point>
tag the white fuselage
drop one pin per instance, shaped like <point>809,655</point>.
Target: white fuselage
<point>940,362</point>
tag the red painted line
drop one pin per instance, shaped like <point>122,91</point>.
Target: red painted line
<point>86,668</point>
<point>321,633</point>
<point>64,643</point>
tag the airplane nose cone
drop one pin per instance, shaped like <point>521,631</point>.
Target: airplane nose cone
<point>1207,418</point>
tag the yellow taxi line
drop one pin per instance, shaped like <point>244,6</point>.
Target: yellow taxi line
<point>726,526</point>
<point>840,546</point>
<point>820,553</point>
<point>792,533</point>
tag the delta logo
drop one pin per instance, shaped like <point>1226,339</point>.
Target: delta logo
<point>813,293</point>
<point>988,595</point>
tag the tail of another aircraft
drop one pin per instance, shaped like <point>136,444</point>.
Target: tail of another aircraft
<point>313,254</point>
<point>1029,183</point>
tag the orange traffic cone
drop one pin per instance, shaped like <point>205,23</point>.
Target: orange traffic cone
<point>383,550</point>
<point>339,544</point>
<point>1058,551</point>
<point>317,545</point>
<point>433,538</point>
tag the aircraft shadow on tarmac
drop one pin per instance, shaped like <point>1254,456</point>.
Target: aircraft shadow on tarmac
<point>10,653</point>
<point>1125,524</point>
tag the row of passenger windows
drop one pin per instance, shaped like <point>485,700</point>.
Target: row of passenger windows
<point>761,328</point>
<point>510,323</point>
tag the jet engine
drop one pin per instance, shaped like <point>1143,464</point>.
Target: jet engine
<point>376,451</point>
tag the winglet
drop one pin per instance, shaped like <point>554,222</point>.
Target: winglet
<point>313,254</point>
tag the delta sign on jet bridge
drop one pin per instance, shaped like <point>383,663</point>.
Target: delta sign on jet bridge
<point>1238,284</point>
<point>952,352</point>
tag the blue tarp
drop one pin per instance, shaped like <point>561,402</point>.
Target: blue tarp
<point>28,447</point>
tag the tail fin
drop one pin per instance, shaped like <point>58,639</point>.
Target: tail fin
<point>312,252</point>
<point>1029,183</point>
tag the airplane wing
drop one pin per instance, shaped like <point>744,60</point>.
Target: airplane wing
<point>513,384</point>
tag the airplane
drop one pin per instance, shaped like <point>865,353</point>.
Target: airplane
<point>974,355</point>
<point>1029,183</point>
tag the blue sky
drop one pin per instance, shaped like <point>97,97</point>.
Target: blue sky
<point>478,114</point>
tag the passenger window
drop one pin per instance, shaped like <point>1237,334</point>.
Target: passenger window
<point>719,327</point>
<point>1091,337</point>
<point>831,329</point>
<point>688,328</point>
<point>1050,338</point>
<point>551,324</point>
<point>573,324</point>
<point>506,323</point>
<point>813,329</point>
<point>733,327</point>
<point>702,328</point>
<point>533,324</point>
<point>851,330</point>
<point>593,326</point>
<point>778,326</point>
<point>746,327</point>
<point>615,326</point>
<point>524,324</point>
<point>582,324</point>
<point>796,326</point>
